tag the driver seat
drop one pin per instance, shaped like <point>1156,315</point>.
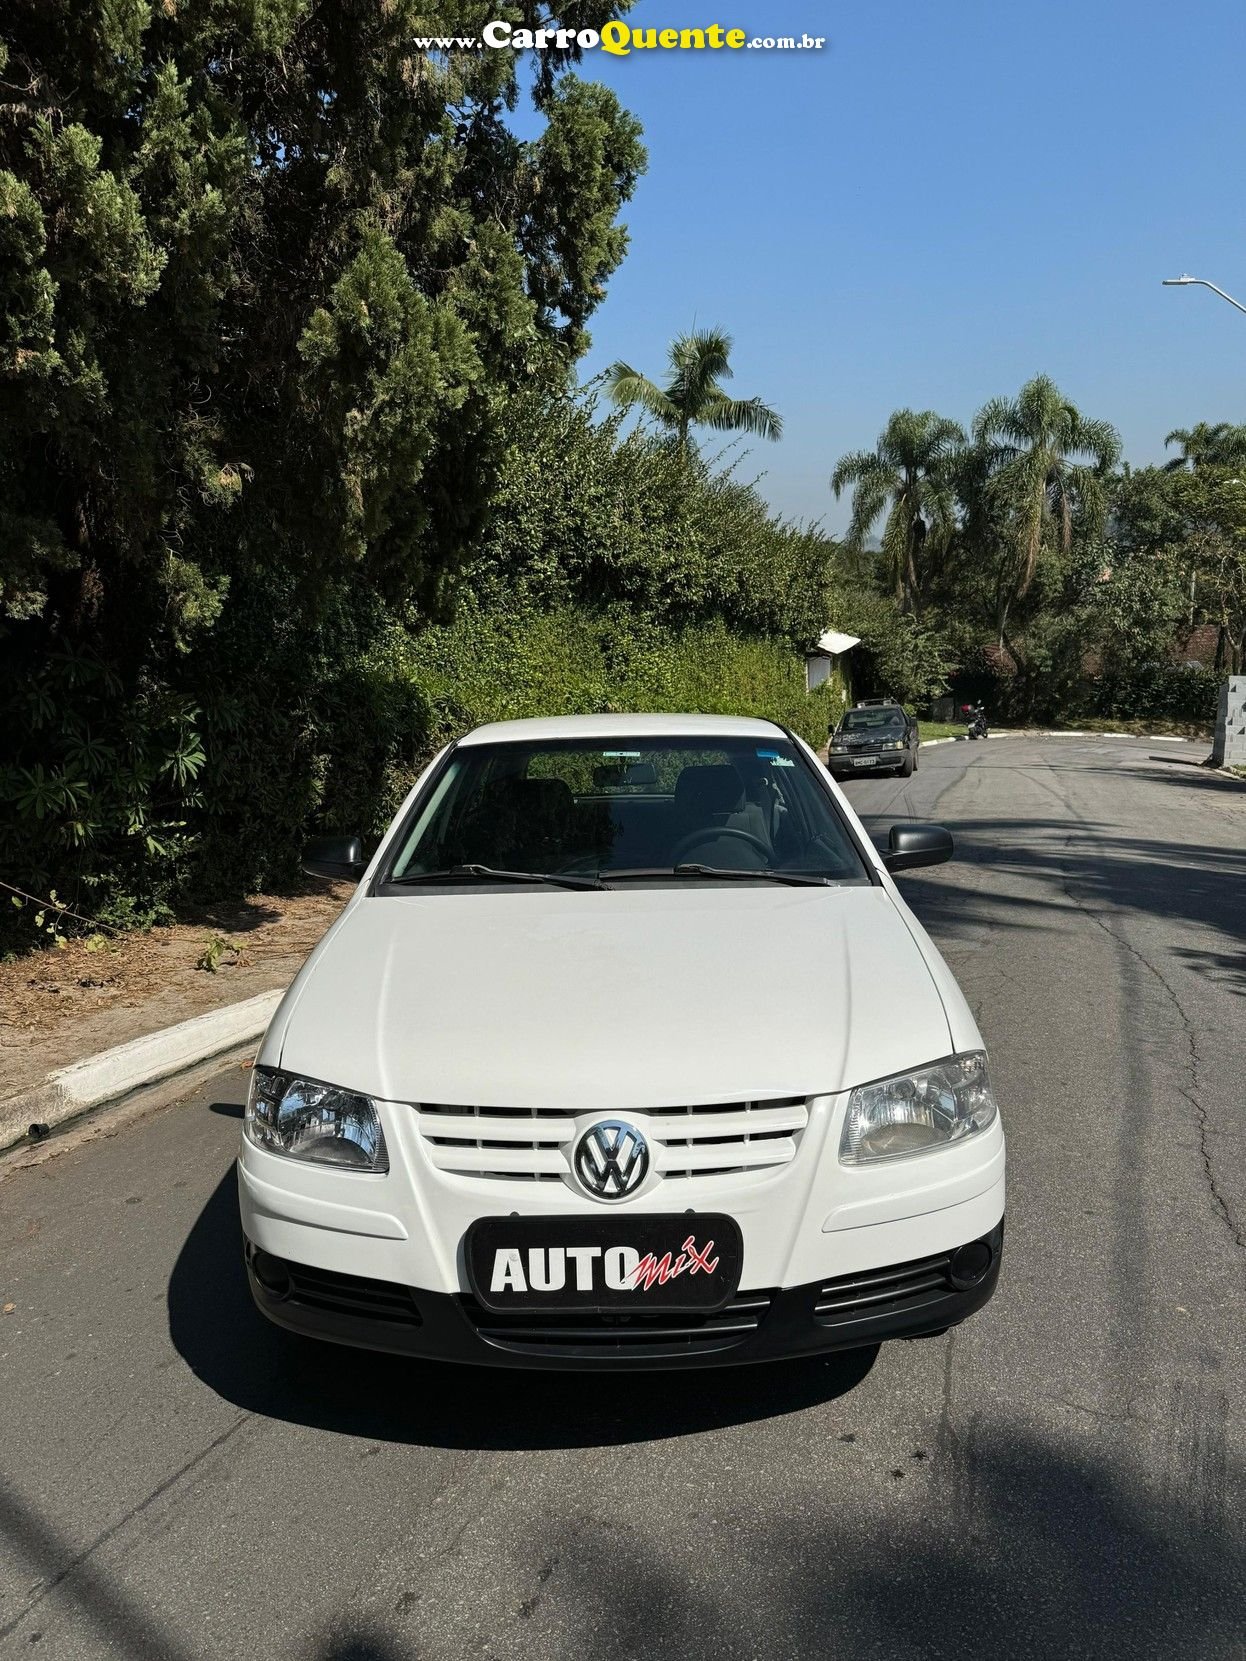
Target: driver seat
<point>713,798</point>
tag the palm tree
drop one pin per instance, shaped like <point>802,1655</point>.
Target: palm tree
<point>692,396</point>
<point>1205,444</point>
<point>1031,445</point>
<point>908,473</point>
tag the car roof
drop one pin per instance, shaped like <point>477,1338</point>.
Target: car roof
<point>624,726</point>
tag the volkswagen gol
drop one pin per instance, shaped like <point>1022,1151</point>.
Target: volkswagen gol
<point>625,1052</point>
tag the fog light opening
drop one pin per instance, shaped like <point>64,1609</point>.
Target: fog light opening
<point>271,1273</point>
<point>970,1264</point>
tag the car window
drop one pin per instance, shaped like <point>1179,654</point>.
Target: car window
<point>874,720</point>
<point>574,809</point>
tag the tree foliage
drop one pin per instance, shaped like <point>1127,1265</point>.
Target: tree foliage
<point>1047,465</point>
<point>1058,585</point>
<point>1207,444</point>
<point>693,395</point>
<point>1192,525</point>
<point>909,475</point>
<point>267,279</point>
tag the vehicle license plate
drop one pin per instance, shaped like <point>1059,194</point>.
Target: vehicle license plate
<point>684,1261</point>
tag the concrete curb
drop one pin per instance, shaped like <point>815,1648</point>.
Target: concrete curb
<point>74,1090</point>
<point>1039,732</point>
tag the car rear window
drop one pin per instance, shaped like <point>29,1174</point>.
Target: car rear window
<point>874,720</point>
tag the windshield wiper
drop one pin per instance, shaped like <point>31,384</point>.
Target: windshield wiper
<point>487,873</point>
<point>796,879</point>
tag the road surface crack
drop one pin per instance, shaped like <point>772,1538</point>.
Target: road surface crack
<point>1126,1415</point>
<point>1192,1095</point>
<point>76,1562</point>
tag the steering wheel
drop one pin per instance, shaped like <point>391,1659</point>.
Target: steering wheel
<point>711,833</point>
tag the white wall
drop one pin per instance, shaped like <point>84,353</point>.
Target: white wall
<point>818,668</point>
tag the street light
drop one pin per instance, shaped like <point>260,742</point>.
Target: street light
<point>1183,281</point>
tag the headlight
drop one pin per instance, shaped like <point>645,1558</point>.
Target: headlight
<point>918,1112</point>
<point>838,749</point>
<point>895,743</point>
<point>304,1119</point>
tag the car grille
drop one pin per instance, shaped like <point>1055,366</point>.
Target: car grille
<point>534,1144</point>
<point>874,1292</point>
<point>338,1294</point>
<point>638,1335</point>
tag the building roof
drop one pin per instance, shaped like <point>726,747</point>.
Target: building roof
<point>833,643</point>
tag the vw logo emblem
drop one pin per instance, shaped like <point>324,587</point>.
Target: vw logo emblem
<point>612,1159</point>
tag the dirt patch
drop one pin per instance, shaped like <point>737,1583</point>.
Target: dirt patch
<point>57,1006</point>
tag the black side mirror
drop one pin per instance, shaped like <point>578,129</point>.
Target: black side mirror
<point>338,857</point>
<point>910,845</point>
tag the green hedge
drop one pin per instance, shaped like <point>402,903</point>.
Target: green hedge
<point>1158,691</point>
<point>495,665</point>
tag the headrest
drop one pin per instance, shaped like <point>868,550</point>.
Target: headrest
<point>702,791</point>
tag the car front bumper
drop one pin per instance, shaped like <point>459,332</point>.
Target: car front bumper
<point>844,766</point>
<point>379,1260</point>
<point>906,1300</point>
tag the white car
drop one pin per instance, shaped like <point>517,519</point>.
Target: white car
<point>625,1052</point>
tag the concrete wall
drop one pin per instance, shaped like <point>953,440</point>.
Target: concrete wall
<point>1229,748</point>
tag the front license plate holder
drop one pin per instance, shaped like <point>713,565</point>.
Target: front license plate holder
<point>865,761</point>
<point>665,1263</point>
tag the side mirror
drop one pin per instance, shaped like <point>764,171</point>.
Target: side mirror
<point>910,845</point>
<point>337,857</point>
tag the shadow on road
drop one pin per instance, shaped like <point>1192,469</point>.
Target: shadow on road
<point>1039,866</point>
<point>367,1646</point>
<point>1226,969</point>
<point>1011,1546</point>
<point>1004,1544</point>
<point>1180,761</point>
<point>226,1342</point>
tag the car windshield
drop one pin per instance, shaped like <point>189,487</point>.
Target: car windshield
<point>874,721</point>
<point>570,809</point>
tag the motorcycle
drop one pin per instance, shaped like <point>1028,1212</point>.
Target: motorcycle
<point>975,720</point>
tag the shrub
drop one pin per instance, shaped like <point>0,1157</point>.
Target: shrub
<point>496,665</point>
<point>1158,691</point>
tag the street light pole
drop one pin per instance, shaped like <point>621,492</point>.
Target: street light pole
<point>1229,720</point>
<point>1182,282</point>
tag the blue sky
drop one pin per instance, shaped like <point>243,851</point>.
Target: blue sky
<point>950,197</point>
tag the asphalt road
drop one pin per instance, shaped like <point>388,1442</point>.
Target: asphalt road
<point>1062,1476</point>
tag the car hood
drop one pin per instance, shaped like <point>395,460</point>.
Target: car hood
<point>636,998</point>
